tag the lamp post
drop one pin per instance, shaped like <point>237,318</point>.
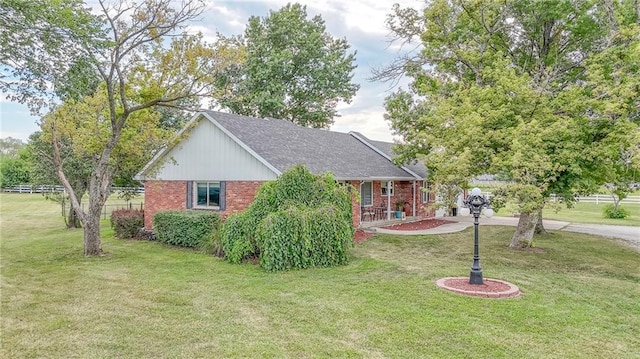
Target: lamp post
<point>474,203</point>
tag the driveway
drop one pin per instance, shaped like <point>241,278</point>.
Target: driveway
<point>628,234</point>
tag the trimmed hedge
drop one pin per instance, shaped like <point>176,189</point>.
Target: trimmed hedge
<point>193,229</point>
<point>127,222</point>
<point>298,221</point>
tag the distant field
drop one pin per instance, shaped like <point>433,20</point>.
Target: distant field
<point>148,300</point>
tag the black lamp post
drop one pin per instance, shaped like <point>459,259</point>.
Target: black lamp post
<point>474,203</point>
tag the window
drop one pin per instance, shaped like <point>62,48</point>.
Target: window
<point>207,195</point>
<point>425,192</point>
<point>385,190</point>
<point>366,194</point>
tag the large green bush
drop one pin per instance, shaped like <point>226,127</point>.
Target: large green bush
<point>194,229</point>
<point>298,221</point>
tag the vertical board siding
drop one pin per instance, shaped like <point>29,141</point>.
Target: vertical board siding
<point>207,153</point>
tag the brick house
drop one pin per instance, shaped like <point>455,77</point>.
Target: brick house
<point>220,160</point>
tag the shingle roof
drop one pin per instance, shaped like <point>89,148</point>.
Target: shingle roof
<point>416,167</point>
<point>284,144</point>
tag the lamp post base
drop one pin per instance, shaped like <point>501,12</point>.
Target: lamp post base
<point>475,277</point>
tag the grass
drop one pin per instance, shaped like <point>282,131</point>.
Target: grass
<point>147,300</point>
<point>592,213</point>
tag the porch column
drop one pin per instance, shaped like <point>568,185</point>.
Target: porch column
<point>413,210</point>
<point>388,201</point>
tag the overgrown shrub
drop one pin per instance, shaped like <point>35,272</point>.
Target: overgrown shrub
<point>193,229</point>
<point>609,211</point>
<point>127,222</point>
<point>298,221</point>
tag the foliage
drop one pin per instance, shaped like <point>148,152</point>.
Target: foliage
<point>614,211</point>
<point>294,70</point>
<point>15,170</point>
<point>135,59</point>
<point>76,165</point>
<point>186,228</point>
<point>127,223</point>
<point>10,147</point>
<point>298,221</point>
<point>45,47</point>
<point>518,88</point>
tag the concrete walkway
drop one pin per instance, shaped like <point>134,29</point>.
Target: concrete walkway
<point>629,234</point>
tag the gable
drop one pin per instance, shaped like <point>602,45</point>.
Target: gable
<point>208,153</point>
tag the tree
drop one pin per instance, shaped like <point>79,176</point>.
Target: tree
<point>14,169</point>
<point>501,87</point>
<point>294,70</point>
<point>142,61</point>
<point>10,147</point>
<point>76,166</point>
<point>43,42</point>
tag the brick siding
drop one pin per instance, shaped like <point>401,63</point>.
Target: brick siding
<point>163,196</point>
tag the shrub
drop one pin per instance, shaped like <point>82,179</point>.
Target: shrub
<point>302,238</point>
<point>299,220</point>
<point>127,222</point>
<point>609,211</point>
<point>193,229</point>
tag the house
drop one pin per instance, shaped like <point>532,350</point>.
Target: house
<point>221,159</point>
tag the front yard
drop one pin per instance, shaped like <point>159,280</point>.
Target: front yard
<point>147,300</point>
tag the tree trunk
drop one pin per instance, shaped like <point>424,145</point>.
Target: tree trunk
<point>523,237</point>
<point>73,221</point>
<point>539,225</point>
<point>92,244</point>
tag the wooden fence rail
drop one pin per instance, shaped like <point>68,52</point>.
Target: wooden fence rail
<point>58,189</point>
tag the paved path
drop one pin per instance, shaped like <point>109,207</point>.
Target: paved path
<point>629,234</point>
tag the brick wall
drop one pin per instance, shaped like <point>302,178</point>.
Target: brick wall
<point>172,195</point>
<point>240,194</point>
<point>163,196</point>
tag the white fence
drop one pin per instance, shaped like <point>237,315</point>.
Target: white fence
<point>595,198</point>
<point>58,189</point>
<point>603,199</point>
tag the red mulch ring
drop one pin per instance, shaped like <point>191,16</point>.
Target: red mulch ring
<point>491,288</point>
<point>422,224</point>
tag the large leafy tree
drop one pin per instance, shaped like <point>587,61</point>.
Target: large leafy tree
<point>294,70</point>
<point>501,87</point>
<point>44,45</point>
<point>141,60</point>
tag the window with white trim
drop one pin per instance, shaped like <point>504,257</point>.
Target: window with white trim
<point>207,195</point>
<point>385,189</point>
<point>366,193</point>
<point>425,192</point>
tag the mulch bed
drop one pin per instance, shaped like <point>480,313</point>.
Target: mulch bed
<point>491,288</point>
<point>362,236</point>
<point>422,224</point>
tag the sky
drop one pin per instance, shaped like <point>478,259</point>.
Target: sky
<point>360,22</point>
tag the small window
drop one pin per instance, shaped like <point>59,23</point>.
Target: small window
<point>385,190</point>
<point>207,195</point>
<point>425,192</point>
<point>366,194</point>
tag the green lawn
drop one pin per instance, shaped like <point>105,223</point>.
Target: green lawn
<point>592,213</point>
<point>147,300</point>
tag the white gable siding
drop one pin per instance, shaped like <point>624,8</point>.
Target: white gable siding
<point>207,153</point>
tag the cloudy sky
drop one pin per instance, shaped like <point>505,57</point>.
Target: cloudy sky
<point>361,22</point>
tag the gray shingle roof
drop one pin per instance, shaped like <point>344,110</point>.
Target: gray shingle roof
<point>416,167</point>
<point>284,144</point>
